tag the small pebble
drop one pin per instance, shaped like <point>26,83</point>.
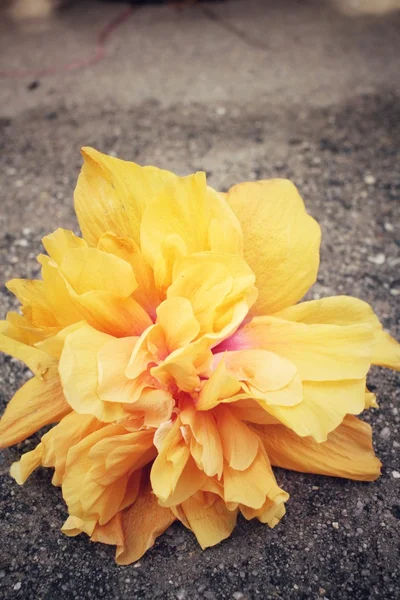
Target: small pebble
<point>369,180</point>
<point>335,525</point>
<point>388,227</point>
<point>385,433</point>
<point>237,595</point>
<point>221,111</point>
<point>365,572</point>
<point>315,488</point>
<point>395,292</point>
<point>17,586</point>
<point>396,474</point>
<point>396,444</point>
<point>377,259</point>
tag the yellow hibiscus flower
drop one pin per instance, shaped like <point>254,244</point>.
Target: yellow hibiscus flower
<point>167,345</point>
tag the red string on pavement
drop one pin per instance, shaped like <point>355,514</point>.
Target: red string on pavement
<point>98,54</point>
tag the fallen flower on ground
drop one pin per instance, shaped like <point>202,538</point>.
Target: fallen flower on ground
<point>168,349</point>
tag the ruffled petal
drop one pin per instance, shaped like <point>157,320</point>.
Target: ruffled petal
<point>103,471</point>
<point>205,443</point>
<point>319,352</point>
<point>253,486</point>
<point>281,241</point>
<point>141,524</point>
<point>348,451</point>
<point>111,195</point>
<point>29,461</point>
<point>194,213</point>
<point>79,373</point>
<point>345,310</point>
<point>37,403</point>
<point>214,284</point>
<point>178,322</point>
<point>208,517</point>
<point>324,406</point>
<point>252,374</point>
<point>146,292</point>
<point>36,360</point>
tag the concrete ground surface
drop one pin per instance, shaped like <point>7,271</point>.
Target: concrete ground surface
<point>243,90</point>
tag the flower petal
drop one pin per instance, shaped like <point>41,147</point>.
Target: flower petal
<point>207,516</point>
<point>254,485</point>
<point>265,376</point>
<point>90,269</point>
<point>175,315</point>
<point>217,281</point>
<point>174,475</point>
<point>320,352</point>
<point>189,209</point>
<point>38,402</point>
<point>79,374</point>
<point>281,241</point>
<point>111,195</point>
<point>28,462</point>
<point>239,445</point>
<point>141,524</point>
<point>112,360</point>
<point>348,451</point>
<point>345,310</point>
<point>36,360</point>
<point>146,293</point>
<point>59,242</point>
<point>99,471</point>
<point>205,443</point>
<point>324,406</point>
<point>270,513</point>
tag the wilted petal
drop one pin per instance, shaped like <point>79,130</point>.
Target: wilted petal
<point>348,451</point>
<point>38,402</point>
<point>207,516</point>
<point>254,485</point>
<point>36,360</point>
<point>141,524</point>
<point>99,470</point>
<point>29,461</point>
<point>110,533</point>
<point>270,513</point>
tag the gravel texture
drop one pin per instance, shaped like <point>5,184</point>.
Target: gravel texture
<point>340,539</point>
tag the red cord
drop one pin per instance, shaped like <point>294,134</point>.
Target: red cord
<point>98,54</point>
